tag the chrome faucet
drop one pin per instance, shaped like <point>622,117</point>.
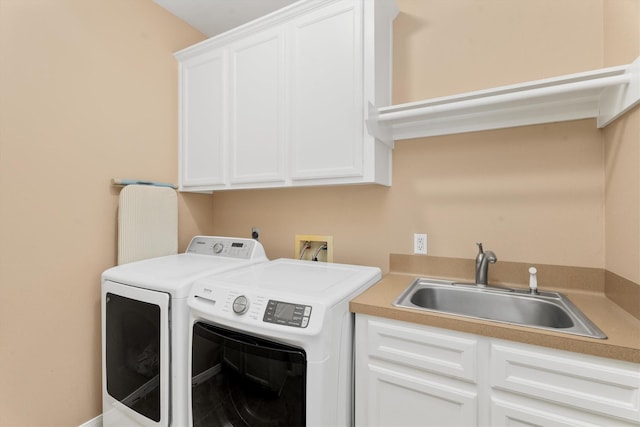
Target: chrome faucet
<point>482,265</point>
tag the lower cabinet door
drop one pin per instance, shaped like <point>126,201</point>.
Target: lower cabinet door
<point>398,399</point>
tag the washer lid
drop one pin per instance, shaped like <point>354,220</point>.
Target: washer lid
<point>301,281</point>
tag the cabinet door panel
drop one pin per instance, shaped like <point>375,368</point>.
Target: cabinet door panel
<point>202,120</point>
<point>257,104</point>
<point>577,383</point>
<point>326,96</point>
<point>397,399</point>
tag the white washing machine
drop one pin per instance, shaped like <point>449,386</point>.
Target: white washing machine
<point>272,344</point>
<point>145,329</point>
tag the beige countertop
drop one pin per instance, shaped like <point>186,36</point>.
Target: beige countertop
<point>622,329</point>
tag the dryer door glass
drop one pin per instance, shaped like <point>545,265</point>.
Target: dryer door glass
<point>242,380</point>
<point>133,354</point>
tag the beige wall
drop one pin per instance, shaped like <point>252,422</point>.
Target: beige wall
<point>622,149</point>
<point>444,47</point>
<point>532,194</point>
<point>88,92</point>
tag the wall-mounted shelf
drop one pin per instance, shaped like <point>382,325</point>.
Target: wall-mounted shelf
<point>603,94</point>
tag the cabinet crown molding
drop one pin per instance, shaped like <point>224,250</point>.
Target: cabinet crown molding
<point>270,20</point>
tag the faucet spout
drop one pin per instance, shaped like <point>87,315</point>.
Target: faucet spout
<point>483,259</point>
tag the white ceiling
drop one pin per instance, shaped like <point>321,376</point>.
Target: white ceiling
<point>213,17</point>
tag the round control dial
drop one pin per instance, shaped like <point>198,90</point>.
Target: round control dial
<point>240,305</point>
<point>217,247</point>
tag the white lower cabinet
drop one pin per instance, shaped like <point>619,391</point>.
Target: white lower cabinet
<point>412,376</point>
<point>416,375</point>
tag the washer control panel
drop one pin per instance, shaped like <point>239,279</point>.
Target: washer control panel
<point>286,313</point>
<point>222,247</point>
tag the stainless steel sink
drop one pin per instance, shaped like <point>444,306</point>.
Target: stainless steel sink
<point>546,310</point>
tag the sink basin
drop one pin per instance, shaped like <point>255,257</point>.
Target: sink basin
<point>546,310</point>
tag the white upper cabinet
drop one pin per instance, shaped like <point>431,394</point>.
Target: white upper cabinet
<point>283,100</point>
<point>326,95</point>
<point>202,118</point>
<point>256,109</point>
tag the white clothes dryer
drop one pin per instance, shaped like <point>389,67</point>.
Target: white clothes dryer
<point>272,344</point>
<point>145,329</point>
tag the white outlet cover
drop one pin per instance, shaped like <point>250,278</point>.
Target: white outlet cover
<point>420,244</point>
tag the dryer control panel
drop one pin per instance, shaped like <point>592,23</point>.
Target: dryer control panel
<point>223,247</point>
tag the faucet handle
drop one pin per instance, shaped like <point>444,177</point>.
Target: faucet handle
<point>480,250</point>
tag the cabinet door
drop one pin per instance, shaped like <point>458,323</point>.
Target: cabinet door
<point>326,106</point>
<point>400,399</point>
<point>408,375</point>
<point>256,105</point>
<point>202,120</point>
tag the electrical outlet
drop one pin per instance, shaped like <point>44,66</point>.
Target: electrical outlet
<point>255,233</point>
<point>420,244</point>
<point>314,248</point>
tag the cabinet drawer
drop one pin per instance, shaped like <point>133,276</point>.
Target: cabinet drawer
<point>522,412</point>
<point>604,386</point>
<point>449,354</point>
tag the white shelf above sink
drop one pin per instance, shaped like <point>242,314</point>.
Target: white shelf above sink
<point>603,94</point>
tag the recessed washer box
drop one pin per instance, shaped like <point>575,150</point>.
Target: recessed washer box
<point>313,247</point>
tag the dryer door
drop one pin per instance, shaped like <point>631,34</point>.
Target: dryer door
<point>135,356</point>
